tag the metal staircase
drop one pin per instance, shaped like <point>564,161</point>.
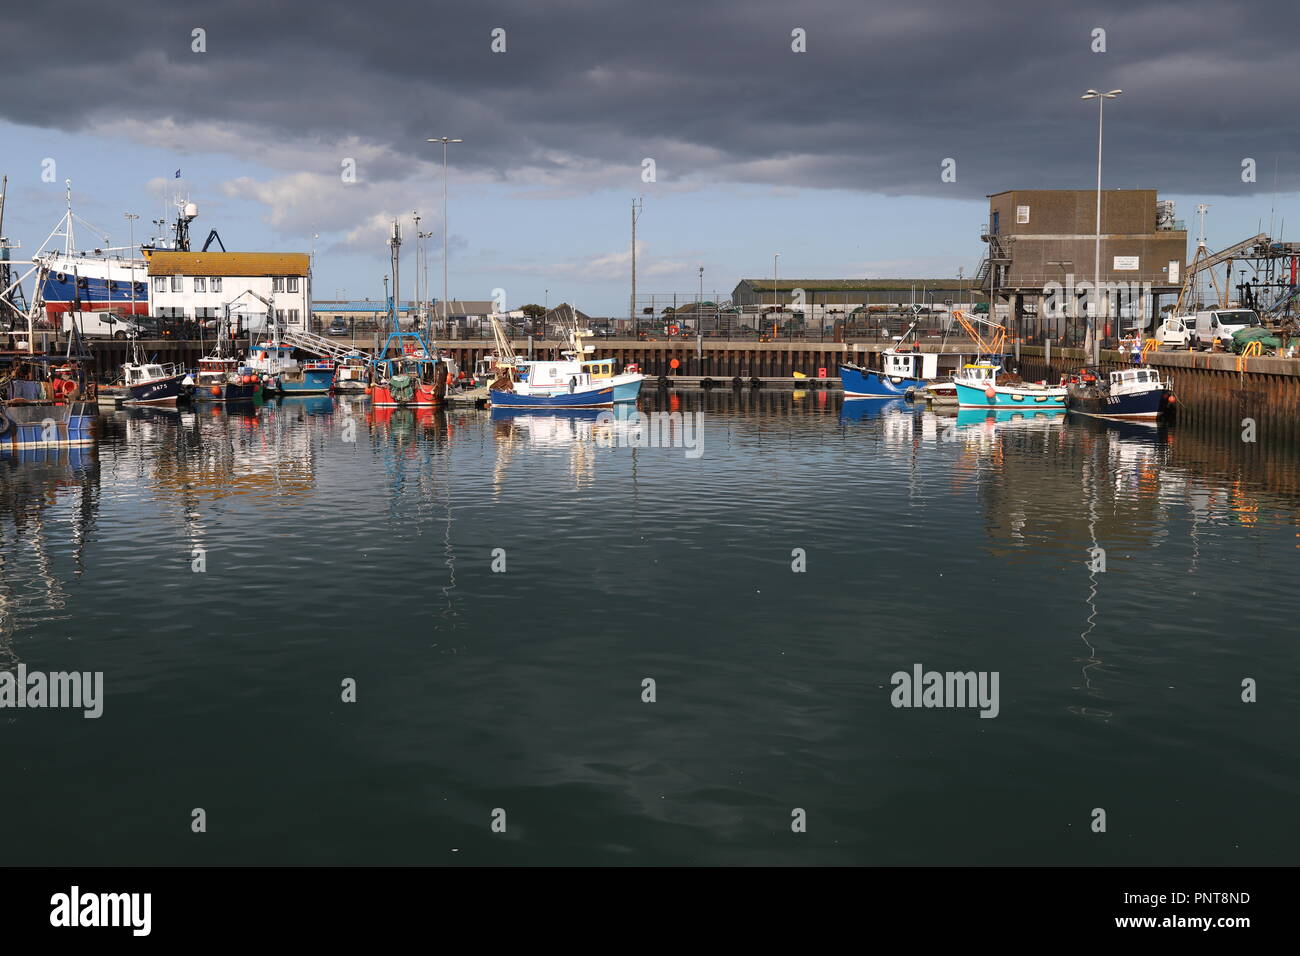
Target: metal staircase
<point>995,256</point>
<point>316,344</point>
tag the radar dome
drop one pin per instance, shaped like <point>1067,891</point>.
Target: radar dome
<point>191,210</point>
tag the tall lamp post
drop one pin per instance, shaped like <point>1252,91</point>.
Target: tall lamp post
<point>131,218</point>
<point>1093,341</point>
<point>776,295</point>
<point>444,140</point>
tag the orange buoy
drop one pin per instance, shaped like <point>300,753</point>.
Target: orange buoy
<point>990,394</point>
<point>216,390</point>
<point>1173,399</point>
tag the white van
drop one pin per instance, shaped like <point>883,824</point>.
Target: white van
<point>100,325</point>
<point>1177,331</point>
<point>1221,323</point>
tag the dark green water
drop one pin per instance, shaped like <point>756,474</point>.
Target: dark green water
<point>958,544</point>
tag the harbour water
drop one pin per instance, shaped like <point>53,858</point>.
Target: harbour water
<point>500,587</point>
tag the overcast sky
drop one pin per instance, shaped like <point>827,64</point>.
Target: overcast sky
<point>831,157</point>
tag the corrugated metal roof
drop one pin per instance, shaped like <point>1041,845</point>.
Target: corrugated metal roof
<point>850,285</point>
<point>164,263</point>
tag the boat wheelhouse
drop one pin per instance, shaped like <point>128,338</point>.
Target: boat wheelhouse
<point>352,373</point>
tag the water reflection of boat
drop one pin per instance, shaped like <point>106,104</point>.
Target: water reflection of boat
<point>863,411</point>
<point>500,413</point>
<point>310,404</point>
<point>1010,416</point>
<point>60,481</point>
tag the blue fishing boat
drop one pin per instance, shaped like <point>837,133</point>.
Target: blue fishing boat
<point>1131,393</point>
<point>580,397</point>
<point>309,378</point>
<point>978,387</point>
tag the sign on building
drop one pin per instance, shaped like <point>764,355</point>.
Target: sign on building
<point>1126,263</point>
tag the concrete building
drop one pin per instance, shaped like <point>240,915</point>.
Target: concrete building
<point>1039,264</point>
<point>205,285</point>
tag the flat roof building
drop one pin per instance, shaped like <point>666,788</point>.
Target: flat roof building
<point>1042,240</point>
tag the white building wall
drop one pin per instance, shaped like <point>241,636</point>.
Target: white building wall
<point>294,307</point>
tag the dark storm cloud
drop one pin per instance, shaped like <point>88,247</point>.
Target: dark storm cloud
<point>710,90</point>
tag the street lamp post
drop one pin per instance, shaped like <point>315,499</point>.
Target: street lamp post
<point>1093,341</point>
<point>444,140</point>
<point>776,296</point>
<point>131,218</point>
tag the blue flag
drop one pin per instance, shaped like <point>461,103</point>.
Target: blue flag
<point>178,174</point>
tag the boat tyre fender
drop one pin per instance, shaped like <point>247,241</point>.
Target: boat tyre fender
<point>737,382</point>
<point>663,381</point>
<point>756,382</point>
<point>707,384</point>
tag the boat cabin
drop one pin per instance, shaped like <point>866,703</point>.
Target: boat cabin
<point>905,363</point>
<point>1135,379</point>
<point>980,372</point>
<point>598,369</point>
<point>139,374</point>
<point>552,375</point>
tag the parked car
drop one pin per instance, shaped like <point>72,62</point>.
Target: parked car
<point>338,327</point>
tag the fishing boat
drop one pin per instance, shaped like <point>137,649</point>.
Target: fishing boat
<point>152,383</point>
<point>978,387</point>
<point>222,379</point>
<point>315,377</point>
<point>1131,393</point>
<point>94,280</point>
<point>409,372</point>
<point>352,373</point>
<point>520,383</point>
<point>281,372</point>
<point>44,404</point>
<point>902,370</point>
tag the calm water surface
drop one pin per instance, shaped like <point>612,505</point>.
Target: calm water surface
<point>353,546</point>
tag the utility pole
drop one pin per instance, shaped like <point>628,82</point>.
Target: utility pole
<point>636,214</point>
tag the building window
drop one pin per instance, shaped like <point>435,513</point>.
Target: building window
<point>178,283</point>
<point>160,283</point>
<point>1022,215</point>
<point>292,283</point>
<point>216,284</point>
<point>200,284</point>
<point>277,284</point>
